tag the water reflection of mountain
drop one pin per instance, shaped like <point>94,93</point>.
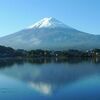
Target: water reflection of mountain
<point>44,75</point>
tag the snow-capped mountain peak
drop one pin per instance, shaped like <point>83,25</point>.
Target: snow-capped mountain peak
<point>48,22</point>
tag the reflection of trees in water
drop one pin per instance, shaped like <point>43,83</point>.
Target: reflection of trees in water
<point>8,62</point>
<point>70,60</point>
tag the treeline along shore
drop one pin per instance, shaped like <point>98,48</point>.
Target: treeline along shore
<point>10,52</point>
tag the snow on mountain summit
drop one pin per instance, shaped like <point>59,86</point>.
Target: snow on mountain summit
<point>48,22</point>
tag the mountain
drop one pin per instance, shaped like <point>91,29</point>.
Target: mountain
<point>49,33</point>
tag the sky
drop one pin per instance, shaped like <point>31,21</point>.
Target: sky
<point>16,15</point>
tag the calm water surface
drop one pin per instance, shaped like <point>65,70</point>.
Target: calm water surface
<point>46,79</point>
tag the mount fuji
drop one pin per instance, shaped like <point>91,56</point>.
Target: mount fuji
<point>49,33</point>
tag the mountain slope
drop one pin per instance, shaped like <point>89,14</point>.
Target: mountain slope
<point>50,33</point>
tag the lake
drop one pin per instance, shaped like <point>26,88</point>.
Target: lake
<point>50,79</point>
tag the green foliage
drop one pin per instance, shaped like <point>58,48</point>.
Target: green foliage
<point>10,52</point>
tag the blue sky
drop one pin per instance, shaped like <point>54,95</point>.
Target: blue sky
<point>83,15</point>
